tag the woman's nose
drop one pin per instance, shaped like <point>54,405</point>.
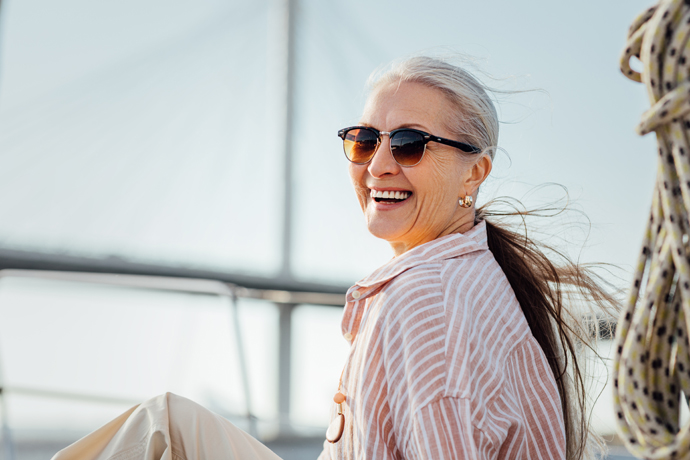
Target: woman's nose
<point>383,162</point>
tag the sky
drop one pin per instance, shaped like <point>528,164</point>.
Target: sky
<point>151,131</point>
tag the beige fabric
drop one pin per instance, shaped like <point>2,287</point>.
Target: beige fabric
<point>167,427</point>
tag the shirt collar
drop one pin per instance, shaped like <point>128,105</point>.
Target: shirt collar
<point>446,247</point>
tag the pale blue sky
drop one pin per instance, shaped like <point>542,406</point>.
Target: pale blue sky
<point>578,131</point>
<point>141,104</point>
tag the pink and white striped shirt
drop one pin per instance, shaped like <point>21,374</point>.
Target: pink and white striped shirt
<point>443,364</point>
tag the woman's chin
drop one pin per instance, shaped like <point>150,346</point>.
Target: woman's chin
<point>385,231</point>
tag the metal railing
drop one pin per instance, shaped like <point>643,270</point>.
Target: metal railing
<point>285,300</point>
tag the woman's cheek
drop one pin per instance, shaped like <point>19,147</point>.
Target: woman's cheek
<point>362,195</point>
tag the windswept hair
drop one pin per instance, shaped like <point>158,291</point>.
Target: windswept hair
<point>545,280</point>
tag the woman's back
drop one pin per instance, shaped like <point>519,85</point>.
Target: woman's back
<point>443,363</point>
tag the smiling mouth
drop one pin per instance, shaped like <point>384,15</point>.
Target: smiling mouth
<point>389,196</point>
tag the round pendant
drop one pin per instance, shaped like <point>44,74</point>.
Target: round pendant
<point>335,429</point>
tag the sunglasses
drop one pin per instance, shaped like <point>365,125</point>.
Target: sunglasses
<point>407,145</point>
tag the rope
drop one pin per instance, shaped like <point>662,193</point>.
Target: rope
<point>652,362</point>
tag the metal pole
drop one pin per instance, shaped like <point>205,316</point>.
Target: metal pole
<point>243,365</point>
<point>288,179</point>
<point>285,315</point>
<point>284,365</point>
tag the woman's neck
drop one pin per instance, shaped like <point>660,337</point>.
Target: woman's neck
<point>460,225</point>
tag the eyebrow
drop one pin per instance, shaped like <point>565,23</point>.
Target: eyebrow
<point>404,125</point>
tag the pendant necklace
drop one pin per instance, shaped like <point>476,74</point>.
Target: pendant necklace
<point>337,426</point>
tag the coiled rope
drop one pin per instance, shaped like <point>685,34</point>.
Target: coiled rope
<point>652,362</point>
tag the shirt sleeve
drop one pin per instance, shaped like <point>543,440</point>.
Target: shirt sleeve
<point>442,430</point>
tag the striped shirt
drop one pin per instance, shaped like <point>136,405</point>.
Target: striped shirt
<point>442,362</point>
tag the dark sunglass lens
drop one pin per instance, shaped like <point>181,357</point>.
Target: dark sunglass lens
<point>407,147</point>
<point>360,145</point>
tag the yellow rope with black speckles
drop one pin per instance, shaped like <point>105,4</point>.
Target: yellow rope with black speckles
<point>652,363</point>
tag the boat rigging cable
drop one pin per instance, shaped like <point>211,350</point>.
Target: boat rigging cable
<point>652,361</point>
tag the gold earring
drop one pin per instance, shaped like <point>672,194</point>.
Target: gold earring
<point>466,202</point>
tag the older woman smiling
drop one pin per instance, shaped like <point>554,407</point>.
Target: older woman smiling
<point>460,348</point>
<point>432,187</point>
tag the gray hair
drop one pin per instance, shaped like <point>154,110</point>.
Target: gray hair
<point>475,120</point>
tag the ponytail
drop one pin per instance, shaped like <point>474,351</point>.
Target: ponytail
<point>538,284</point>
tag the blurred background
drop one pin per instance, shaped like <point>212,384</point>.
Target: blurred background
<point>175,210</point>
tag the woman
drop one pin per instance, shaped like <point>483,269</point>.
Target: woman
<point>459,345</point>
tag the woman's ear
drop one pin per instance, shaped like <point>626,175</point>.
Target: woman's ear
<point>478,173</point>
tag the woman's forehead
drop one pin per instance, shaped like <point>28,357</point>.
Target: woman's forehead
<point>394,105</point>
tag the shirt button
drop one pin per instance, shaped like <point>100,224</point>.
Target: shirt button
<point>356,294</point>
<point>348,337</point>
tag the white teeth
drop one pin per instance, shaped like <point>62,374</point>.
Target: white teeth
<point>389,194</point>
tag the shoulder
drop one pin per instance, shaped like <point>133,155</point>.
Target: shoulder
<point>469,298</point>
<point>485,325</point>
<point>473,277</point>
<point>412,305</point>
<point>415,292</point>
<point>479,301</point>
<point>466,275</point>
